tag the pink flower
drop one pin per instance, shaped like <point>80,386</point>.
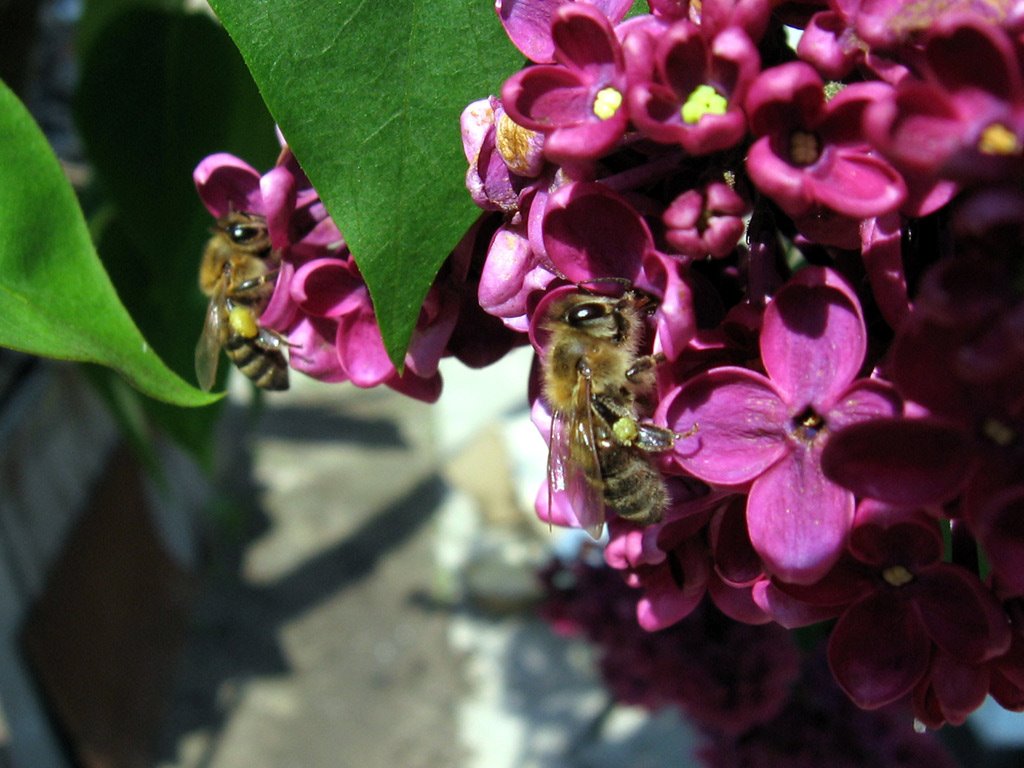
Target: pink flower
<point>578,102</point>
<point>706,222</point>
<point>768,432</point>
<point>811,152</point>
<point>687,87</point>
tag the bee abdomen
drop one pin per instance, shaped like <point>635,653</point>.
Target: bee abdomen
<point>267,368</point>
<point>632,487</point>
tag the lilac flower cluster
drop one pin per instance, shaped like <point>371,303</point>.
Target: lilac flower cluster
<point>756,699</point>
<point>831,232</point>
<point>321,305</point>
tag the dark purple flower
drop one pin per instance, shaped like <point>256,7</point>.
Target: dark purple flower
<point>965,120</point>
<point>907,600</point>
<point>820,726</point>
<point>577,103</point>
<point>811,152</point>
<point>769,431</point>
<point>960,358</point>
<point>891,23</point>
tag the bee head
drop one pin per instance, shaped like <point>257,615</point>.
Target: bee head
<point>601,317</point>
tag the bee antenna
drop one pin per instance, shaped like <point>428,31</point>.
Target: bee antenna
<point>625,282</point>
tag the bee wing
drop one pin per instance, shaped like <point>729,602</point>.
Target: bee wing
<point>574,468</point>
<point>210,341</point>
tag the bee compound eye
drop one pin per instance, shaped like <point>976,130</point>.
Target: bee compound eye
<point>584,313</point>
<point>244,233</point>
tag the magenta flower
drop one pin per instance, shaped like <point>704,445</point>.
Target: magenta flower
<point>965,120</point>
<point>528,22</point>
<point>829,42</point>
<point>578,102</point>
<point>811,152</point>
<point>320,303</point>
<point>687,88</point>
<point>297,221</point>
<point>706,222</point>
<point>906,600</point>
<point>768,432</point>
<point>332,299</point>
<point>590,231</point>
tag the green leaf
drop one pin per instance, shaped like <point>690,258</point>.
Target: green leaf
<point>369,95</point>
<point>55,297</point>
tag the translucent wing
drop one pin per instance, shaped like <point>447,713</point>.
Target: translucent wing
<point>210,341</point>
<point>574,468</point>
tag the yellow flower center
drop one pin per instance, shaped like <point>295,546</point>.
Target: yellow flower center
<point>607,102</point>
<point>897,575</point>
<point>704,100</point>
<point>803,148</point>
<point>998,432</point>
<point>997,139</point>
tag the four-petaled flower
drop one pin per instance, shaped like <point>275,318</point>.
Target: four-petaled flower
<point>578,102</point>
<point>768,431</point>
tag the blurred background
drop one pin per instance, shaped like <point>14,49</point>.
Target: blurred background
<point>325,577</point>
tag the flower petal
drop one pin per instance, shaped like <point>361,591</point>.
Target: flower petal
<point>961,616</point>
<point>739,418</point>
<point>225,183</point>
<point>798,520</point>
<point>878,651</point>
<point>590,231</point>
<point>900,461</point>
<point>813,340</point>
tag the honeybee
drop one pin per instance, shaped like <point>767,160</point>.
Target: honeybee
<point>593,376</point>
<point>237,272</point>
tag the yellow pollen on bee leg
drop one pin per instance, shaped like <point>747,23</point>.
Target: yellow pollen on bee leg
<point>897,575</point>
<point>704,100</point>
<point>625,430</point>
<point>243,323</point>
<point>997,139</point>
<point>803,148</point>
<point>607,102</point>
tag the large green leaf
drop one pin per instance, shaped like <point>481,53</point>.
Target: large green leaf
<point>55,297</point>
<point>369,95</point>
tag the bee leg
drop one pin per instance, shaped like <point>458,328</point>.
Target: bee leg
<point>254,283</point>
<point>643,366</point>
<point>271,339</point>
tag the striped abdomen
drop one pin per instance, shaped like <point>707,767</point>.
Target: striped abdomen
<point>266,366</point>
